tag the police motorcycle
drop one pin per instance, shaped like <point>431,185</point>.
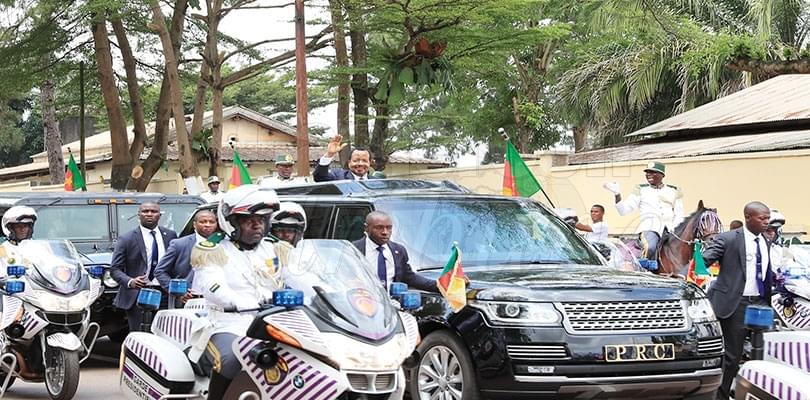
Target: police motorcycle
<point>339,337</point>
<point>45,322</point>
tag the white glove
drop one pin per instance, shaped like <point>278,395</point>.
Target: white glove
<point>612,187</point>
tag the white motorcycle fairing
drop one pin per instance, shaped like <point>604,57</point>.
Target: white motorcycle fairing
<point>796,317</point>
<point>152,367</point>
<point>790,348</point>
<point>765,380</point>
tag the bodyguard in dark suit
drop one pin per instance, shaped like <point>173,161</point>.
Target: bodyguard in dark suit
<point>175,264</point>
<point>359,164</point>
<point>389,258</point>
<point>135,259</point>
<point>745,279</point>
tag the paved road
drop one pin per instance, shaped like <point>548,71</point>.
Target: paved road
<point>98,381</point>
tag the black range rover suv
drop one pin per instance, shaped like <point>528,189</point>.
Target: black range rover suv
<point>545,317</point>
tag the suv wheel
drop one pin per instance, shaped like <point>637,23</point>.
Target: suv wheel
<point>445,370</point>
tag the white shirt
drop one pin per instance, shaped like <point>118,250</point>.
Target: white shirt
<point>275,181</point>
<point>147,241</point>
<point>600,232</point>
<point>212,197</point>
<point>658,207</point>
<point>751,287</point>
<point>371,257</point>
<point>325,161</point>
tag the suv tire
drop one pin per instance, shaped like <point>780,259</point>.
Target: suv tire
<point>445,366</point>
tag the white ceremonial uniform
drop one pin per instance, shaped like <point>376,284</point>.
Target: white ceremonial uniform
<point>210,197</point>
<point>275,181</point>
<point>247,279</point>
<point>10,255</point>
<point>658,207</point>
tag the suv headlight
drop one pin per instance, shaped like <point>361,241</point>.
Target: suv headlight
<point>513,313</point>
<point>700,310</point>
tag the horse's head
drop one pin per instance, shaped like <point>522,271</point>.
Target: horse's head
<point>708,224</point>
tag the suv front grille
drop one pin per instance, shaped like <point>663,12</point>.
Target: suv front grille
<point>537,352</point>
<point>710,345</point>
<point>658,315</point>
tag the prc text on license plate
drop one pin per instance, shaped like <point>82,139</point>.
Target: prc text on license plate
<point>639,352</point>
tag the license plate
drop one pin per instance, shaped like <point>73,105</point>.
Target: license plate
<point>639,352</point>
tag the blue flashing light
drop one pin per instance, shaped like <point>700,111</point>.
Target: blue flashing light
<point>411,300</point>
<point>15,270</point>
<point>758,317</point>
<point>397,288</point>
<point>178,287</point>
<point>96,271</point>
<point>149,299</point>
<point>14,286</point>
<point>288,298</point>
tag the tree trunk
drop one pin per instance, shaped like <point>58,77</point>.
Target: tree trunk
<point>344,85</point>
<point>121,158</point>
<point>133,88</point>
<point>580,138</point>
<point>214,156</point>
<point>188,165</point>
<point>377,146</point>
<point>360,88</point>
<point>521,142</point>
<point>160,142</point>
<point>214,63</point>
<point>53,140</point>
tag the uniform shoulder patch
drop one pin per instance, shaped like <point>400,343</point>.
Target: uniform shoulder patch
<point>673,186</point>
<point>644,185</point>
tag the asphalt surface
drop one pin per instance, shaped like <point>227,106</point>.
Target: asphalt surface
<point>98,379</point>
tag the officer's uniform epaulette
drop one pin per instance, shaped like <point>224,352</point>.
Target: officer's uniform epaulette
<point>673,186</point>
<point>641,185</point>
<point>209,252</point>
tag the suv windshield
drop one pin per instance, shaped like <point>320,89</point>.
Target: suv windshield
<point>172,216</point>
<point>488,231</point>
<point>79,222</point>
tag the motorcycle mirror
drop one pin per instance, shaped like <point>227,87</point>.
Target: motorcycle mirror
<point>15,270</point>
<point>411,300</point>
<point>149,299</point>
<point>15,286</point>
<point>758,317</point>
<point>288,298</point>
<point>397,288</point>
<point>178,287</point>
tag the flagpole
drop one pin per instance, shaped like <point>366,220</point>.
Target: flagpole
<point>506,137</point>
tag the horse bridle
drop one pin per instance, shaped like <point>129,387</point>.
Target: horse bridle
<point>701,239</point>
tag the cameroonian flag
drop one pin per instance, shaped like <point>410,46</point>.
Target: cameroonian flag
<point>518,180</point>
<point>452,283</point>
<point>239,174</point>
<point>698,273</point>
<point>73,177</point>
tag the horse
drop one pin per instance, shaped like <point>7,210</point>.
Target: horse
<point>676,248</point>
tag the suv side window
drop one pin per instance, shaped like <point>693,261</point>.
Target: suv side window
<point>318,217</point>
<point>349,223</point>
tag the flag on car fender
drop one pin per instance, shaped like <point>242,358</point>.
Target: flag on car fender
<point>239,174</point>
<point>518,180</point>
<point>698,273</point>
<point>452,283</point>
<point>73,177</point>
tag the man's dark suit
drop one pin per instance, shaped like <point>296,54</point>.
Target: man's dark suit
<point>402,269</point>
<point>726,296</point>
<point>175,263</point>
<point>129,261</point>
<point>322,173</point>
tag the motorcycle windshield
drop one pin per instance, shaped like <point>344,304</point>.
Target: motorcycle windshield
<point>54,264</point>
<point>338,285</point>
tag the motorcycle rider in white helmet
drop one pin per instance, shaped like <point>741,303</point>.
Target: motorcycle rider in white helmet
<point>289,223</point>
<point>18,225</point>
<point>773,233</point>
<point>242,270</point>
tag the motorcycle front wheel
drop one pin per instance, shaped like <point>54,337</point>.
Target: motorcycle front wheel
<point>61,373</point>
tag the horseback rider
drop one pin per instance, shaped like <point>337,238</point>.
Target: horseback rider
<point>660,206</point>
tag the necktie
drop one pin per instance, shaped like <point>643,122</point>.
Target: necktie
<point>154,259</point>
<point>760,283</point>
<point>382,271</point>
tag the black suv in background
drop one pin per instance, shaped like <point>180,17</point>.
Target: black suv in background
<point>545,317</point>
<point>93,221</point>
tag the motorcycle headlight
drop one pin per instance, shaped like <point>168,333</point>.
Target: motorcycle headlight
<point>700,310</point>
<point>108,280</point>
<point>512,313</point>
<point>49,301</point>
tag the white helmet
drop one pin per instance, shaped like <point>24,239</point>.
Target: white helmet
<point>289,215</point>
<point>777,219</point>
<point>245,200</point>
<point>18,215</point>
